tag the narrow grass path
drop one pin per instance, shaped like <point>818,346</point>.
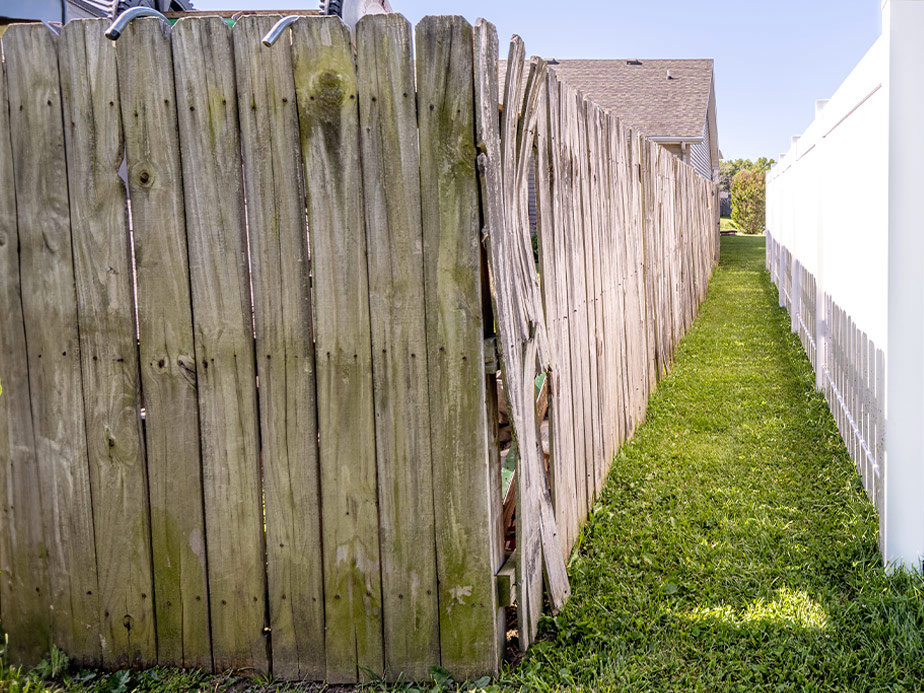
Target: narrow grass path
<point>733,548</point>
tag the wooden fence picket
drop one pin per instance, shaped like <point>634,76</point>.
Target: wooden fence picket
<point>23,573</point>
<point>108,343</point>
<point>469,640</point>
<point>325,85</point>
<point>222,318</point>
<point>572,275</point>
<point>280,266</point>
<point>49,303</point>
<point>165,328</point>
<point>554,270</point>
<point>394,237</point>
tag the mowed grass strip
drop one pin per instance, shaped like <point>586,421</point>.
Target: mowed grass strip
<point>733,547</point>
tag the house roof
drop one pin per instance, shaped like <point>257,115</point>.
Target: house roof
<point>640,93</point>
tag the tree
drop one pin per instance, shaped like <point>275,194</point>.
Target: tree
<point>749,199</point>
<point>729,169</point>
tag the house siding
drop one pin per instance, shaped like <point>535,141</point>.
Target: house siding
<point>701,157</point>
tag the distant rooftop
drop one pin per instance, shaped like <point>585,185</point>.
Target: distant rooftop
<point>640,93</point>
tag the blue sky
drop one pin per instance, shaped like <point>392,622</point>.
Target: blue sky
<point>773,59</point>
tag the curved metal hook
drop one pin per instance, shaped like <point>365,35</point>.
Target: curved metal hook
<point>118,26</point>
<point>273,35</point>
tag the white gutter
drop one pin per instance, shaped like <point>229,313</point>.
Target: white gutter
<point>677,140</point>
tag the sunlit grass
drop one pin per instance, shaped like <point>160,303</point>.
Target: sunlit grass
<point>791,608</point>
<point>733,548</point>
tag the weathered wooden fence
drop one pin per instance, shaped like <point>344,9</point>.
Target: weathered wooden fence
<point>628,237</point>
<point>246,417</point>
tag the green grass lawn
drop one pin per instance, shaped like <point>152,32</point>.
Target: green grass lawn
<point>733,548</point>
<point>726,224</point>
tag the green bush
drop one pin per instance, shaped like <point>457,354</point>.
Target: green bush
<point>749,200</point>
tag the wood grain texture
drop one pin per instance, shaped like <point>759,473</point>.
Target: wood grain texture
<point>394,241</point>
<point>485,49</point>
<point>166,344</point>
<point>23,573</point>
<point>452,276</point>
<point>573,296</point>
<point>553,264</point>
<point>275,190</point>
<point>210,149</point>
<point>580,346</point>
<point>50,314</point>
<point>108,344</point>
<point>325,83</point>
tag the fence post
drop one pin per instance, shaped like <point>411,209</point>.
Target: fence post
<point>821,307</point>
<point>903,523</point>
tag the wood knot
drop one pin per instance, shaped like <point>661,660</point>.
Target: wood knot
<point>144,178</point>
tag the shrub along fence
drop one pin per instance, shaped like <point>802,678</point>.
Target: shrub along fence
<point>249,415</point>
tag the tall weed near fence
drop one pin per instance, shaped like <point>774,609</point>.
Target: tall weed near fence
<point>247,419</point>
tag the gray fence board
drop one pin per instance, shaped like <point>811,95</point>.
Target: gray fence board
<point>50,312</point>
<point>108,344</point>
<point>455,347</point>
<point>325,82</point>
<point>23,575</point>
<point>226,379</point>
<point>166,344</point>
<point>281,276</point>
<point>391,177</point>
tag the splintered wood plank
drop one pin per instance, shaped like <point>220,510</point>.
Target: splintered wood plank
<point>275,190</point>
<point>513,277</point>
<point>166,345</point>
<point>219,276</point>
<point>519,315</point>
<point>325,84</point>
<point>23,575</point>
<point>49,304</point>
<point>108,344</point>
<point>391,185</point>
<point>452,277</point>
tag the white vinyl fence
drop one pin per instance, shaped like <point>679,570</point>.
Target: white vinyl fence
<point>845,247</point>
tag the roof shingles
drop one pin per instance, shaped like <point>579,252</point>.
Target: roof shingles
<point>641,95</point>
